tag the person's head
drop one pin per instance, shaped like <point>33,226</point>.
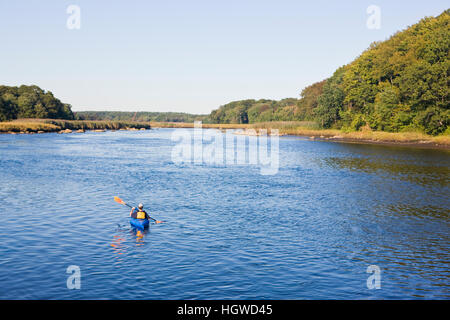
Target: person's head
<point>140,206</point>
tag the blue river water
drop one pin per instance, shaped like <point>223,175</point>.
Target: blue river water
<point>310,231</point>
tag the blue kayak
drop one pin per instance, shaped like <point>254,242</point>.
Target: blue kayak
<point>139,223</point>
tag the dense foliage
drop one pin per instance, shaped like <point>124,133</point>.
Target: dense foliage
<point>400,83</point>
<point>138,116</point>
<point>251,111</point>
<point>395,85</point>
<point>31,102</point>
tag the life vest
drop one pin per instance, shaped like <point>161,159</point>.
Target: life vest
<point>140,215</point>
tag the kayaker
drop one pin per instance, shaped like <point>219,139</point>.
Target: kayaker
<point>139,213</point>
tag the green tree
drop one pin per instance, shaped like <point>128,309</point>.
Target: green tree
<point>331,101</point>
<point>31,102</point>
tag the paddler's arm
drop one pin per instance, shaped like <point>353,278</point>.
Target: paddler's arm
<point>148,217</point>
<point>131,212</point>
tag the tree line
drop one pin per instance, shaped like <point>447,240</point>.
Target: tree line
<point>395,85</point>
<point>138,116</point>
<point>31,102</point>
<point>34,102</point>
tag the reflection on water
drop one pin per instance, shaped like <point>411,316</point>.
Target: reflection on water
<point>140,235</point>
<point>120,244</point>
<point>430,212</point>
<point>392,169</point>
<point>408,221</point>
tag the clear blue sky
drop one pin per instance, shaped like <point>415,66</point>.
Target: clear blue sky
<point>189,56</point>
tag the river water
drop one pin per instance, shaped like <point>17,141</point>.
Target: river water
<point>309,231</point>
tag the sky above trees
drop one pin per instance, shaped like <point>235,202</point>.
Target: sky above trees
<point>188,56</point>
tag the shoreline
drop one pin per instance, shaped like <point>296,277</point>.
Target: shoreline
<point>401,139</point>
<point>408,144</point>
<point>38,126</point>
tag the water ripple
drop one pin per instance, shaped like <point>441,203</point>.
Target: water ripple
<point>308,232</point>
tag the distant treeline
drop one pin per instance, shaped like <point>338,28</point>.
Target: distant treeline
<point>395,85</point>
<point>263,110</point>
<point>138,116</point>
<point>31,102</point>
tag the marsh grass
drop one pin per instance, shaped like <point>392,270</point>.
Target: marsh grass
<point>97,125</point>
<point>299,128</point>
<point>27,126</point>
<point>51,125</point>
<point>372,136</point>
<point>204,125</point>
<point>285,125</point>
<point>311,129</point>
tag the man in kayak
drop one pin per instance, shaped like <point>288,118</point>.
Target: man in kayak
<point>139,213</point>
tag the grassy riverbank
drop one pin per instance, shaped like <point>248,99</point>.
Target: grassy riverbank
<point>310,129</point>
<point>298,128</point>
<point>50,125</point>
